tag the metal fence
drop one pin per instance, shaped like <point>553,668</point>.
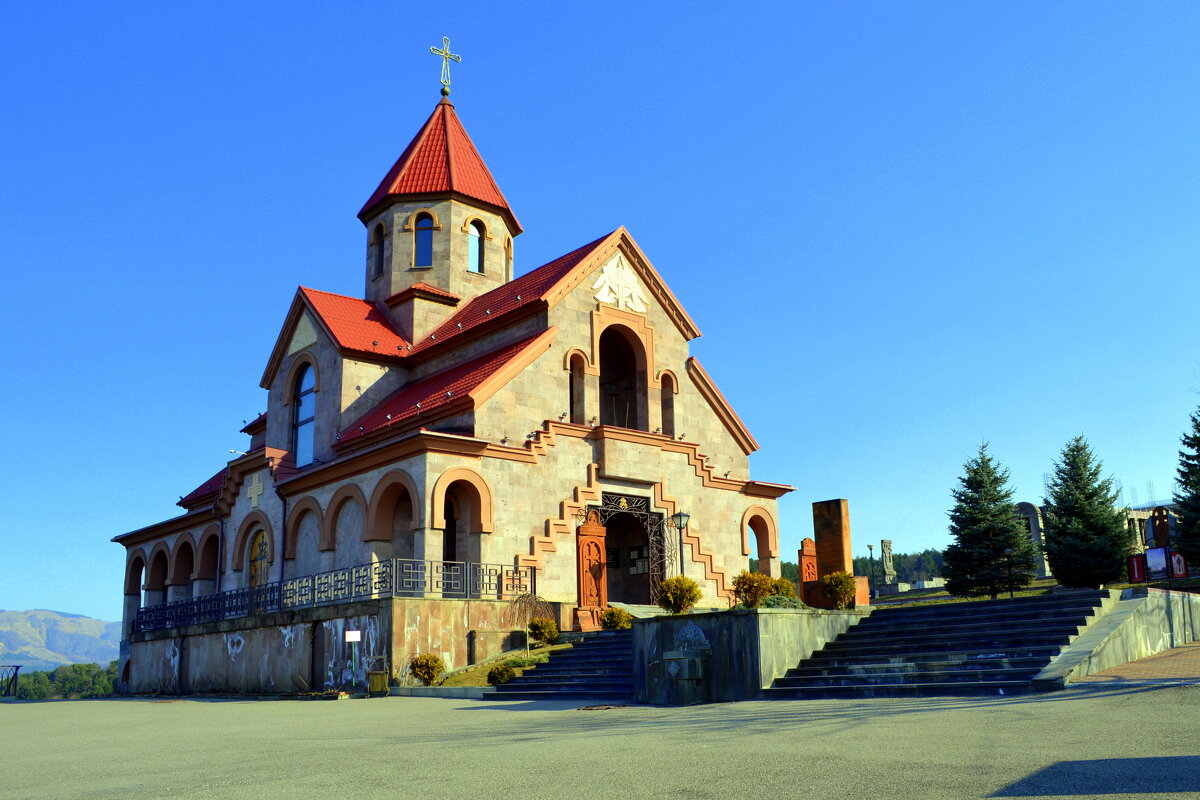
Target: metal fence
<point>397,577</point>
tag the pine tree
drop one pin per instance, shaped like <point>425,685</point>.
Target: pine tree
<point>991,551</point>
<point>1087,542</point>
<point>1187,495</point>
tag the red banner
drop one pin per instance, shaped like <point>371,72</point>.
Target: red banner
<point>1137,568</point>
<point>1178,566</point>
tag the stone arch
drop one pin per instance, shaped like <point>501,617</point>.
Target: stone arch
<point>183,560</point>
<point>761,523</point>
<point>577,387</point>
<point>329,523</point>
<point>289,385</point>
<point>253,521</point>
<point>623,359</point>
<point>157,572</point>
<point>411,219</point>
<point>208,554</point>
<point>668,388</point>
<point>135,566</point>
<point>381,511</point>
<point>305,505</point>
<point>476,488</point>
<point>466,226</point>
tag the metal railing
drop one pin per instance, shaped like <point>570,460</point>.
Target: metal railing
<point>397,577</point>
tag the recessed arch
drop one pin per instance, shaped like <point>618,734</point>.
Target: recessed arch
<point>761,523</point>
<point>305,505</point>
<point>298,362</point>
<point>485,230</point>
<point>208,555</point>
<point>481,511</point>
<point>329,523</point>
<point>183,560</point>
<point>253,521</point>
<point>135,565</point>
<point>391,490</point>
<point>158,568</point>
<point>669,375</point>
<point>622,357</point>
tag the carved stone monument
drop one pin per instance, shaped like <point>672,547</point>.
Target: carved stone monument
<point>885,554</point>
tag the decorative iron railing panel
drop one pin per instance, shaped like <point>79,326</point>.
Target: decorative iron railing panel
<point>397,577</point>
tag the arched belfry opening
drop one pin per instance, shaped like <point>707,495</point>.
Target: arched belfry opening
<point>622,379</point>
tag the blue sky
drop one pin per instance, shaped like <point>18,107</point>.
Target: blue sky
<point>904,229</point>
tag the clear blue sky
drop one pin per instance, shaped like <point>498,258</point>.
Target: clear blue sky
<point>904,229</point>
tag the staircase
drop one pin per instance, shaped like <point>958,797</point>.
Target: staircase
<point>986,647</point>
<point>598,666</point>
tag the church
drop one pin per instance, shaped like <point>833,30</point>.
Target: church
<point>454,439</point>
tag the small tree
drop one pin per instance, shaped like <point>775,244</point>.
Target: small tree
<point>678,594</point>
<point>751,587</point>
<point>840,588</point>
<point>1086,538</point>
<point>991,551</point>
<point>783,587</point>
<point>1187,494</point>
<point>543,630</point>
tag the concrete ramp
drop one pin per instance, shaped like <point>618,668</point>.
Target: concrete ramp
<point>1141,623</point>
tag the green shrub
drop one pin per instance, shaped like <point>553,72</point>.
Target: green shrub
<point>501,673</point>
<point>779,601</point>
<point>751,587</point>
<point>615,619</point>
<point>426,667</point>
<point>543,630</point>
<point>678,595</point>
<point>782,587</point>
<point>839,587</point>
<point>520,662</point>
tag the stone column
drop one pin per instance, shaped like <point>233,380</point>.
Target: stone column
<point>132,603</point>
<point>178,591</point>
<point>427,547</point>
<point>202,587</point>
<point>154,597</point>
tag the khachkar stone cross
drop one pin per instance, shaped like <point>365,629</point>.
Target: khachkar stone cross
<point>254,489</point>
<point>447,57</point>
<point>889,571</point>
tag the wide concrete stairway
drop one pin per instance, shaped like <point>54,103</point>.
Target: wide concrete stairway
<point>598,666</point>
<point>986,647</point>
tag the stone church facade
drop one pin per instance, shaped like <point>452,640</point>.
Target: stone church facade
<point>432,449</point>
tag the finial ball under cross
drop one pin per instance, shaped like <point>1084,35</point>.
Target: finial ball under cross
<point>447,57</point>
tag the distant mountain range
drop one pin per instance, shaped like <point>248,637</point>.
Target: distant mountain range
<point>47,639</point>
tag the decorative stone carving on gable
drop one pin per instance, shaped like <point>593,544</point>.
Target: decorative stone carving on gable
<point>618,286</point>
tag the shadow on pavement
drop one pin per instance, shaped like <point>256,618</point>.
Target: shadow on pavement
<point>1105,776</point>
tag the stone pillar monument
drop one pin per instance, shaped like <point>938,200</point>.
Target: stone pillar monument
<point>885,555</point>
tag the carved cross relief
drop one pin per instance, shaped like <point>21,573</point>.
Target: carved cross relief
<point>254,489</point>
<point>618,286</point>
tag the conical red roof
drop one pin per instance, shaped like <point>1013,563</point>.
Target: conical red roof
<point>441,158</point>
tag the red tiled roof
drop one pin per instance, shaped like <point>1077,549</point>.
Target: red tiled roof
<point>356,324</point>
<point>210,486</point>
<point>441,158</point>
<point>517,293</point>
<point>254,422</point>
<point>418,289</point>
<point>434,392</point>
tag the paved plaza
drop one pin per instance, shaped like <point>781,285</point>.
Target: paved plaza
<point>1101,740</point>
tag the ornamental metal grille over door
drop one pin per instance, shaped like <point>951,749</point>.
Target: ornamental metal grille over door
<point>661,560</point>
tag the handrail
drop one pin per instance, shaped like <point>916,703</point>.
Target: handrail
<point>395,577</point>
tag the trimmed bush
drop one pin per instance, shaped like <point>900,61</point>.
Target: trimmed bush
<point>780,601</point>
<point>501,673</point>
<point>678,595</point>
<point>839,588</point>
<point>426,667</point>
<point>615,619</point>
<point>543,630</point>
<point>782,587</point>
<point>751,587</point>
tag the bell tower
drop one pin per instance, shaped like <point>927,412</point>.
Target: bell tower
<point>439,222</point>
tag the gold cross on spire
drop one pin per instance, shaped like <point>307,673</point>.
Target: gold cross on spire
<point>447,57</point>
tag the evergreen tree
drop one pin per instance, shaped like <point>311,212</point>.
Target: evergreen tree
<point>1187,495</point>
<point>1086,538</point>
<point>991,551</point>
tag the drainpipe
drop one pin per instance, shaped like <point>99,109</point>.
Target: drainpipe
<point>282,529</point>
<point>220,552</point>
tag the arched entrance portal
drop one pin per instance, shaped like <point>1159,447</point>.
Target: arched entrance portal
<point>636,556</point>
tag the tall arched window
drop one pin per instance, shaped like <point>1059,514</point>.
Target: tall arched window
<point>379,249</point>
<point>575,392</point>
<point>668,406</point>
<point>258,558</point>
<point>423,241</point>
<point>475,239</point>
<point>508,259</point>
<point>304,405</point>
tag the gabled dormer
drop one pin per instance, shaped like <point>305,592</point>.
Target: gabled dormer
<point>437,220</point>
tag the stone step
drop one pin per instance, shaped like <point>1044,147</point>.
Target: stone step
<point>860,668</point>
<point>878,622</point>
<point>547,672</point>
<point>921,676</point>
<point>965,688</point>
<point>978,608</point>
<point>594,684</point>
<point>823,658</point>
<point>601,696</point>
<point>885,636</point>
<point>977,644</point>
